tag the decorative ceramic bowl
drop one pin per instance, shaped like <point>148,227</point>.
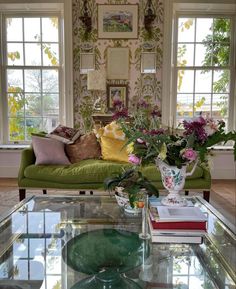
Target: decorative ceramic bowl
<point>121,201</point>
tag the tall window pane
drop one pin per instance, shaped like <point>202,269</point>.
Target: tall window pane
<point>32,45</point>
<point>203,67</point>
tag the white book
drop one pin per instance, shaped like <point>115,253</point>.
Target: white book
<point>198,233</point>
<point>179,214</point>
<point>177,239</point>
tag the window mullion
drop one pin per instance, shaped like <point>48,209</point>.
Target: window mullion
<point>23,71</point>
<point>194,73</point>
<point>4,95</point>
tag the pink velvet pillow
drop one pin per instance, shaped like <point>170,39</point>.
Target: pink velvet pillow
<point>49,151</point>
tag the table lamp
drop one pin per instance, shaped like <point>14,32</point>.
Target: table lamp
<point>97,82</point>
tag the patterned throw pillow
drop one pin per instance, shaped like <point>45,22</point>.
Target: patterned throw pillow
<point>85,147</point>
<point>65,134</point>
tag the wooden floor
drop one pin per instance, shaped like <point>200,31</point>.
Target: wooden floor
<point>223,196</point>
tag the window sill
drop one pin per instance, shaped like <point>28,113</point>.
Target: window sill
<point>222,148</point>
<point>13,147</point>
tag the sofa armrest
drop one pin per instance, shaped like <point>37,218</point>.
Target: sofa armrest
<point>27,158</point>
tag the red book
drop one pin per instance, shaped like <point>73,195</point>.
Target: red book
<point>190,225</point>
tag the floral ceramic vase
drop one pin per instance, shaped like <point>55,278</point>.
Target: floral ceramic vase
<point>173,180</point>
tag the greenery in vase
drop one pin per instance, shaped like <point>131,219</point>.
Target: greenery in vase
<point>180,147</point>
<point>133,182</point>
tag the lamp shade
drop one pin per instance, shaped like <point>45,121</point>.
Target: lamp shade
<point>96,80</point>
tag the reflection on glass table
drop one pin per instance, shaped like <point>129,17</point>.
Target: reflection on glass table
<point>33,235</point>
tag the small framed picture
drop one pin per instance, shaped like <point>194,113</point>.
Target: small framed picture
<point>87,62</point>
<point>117,63</point>
<point>148,62</point>
<point>116,92</point>
<point>117,21</point>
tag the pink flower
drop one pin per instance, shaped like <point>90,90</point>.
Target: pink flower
<point>139,140</point>
<point>211,127</point>
<point>189,154</point>
<point>134,159</point>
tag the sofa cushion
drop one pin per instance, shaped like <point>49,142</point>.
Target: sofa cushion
<point>65,134</point>
<point>49,151</point>
<point>90,171</point>
<point>86,171</point>
<point>86,147</point>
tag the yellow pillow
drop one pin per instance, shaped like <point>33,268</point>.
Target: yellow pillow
<point>113,130</point>
<point>113,149</point>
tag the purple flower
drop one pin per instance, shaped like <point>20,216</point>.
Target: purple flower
<point>157,131</point>
<point>117,103</point>
<point>189,154</point>
<point>134,159</point>
<point>142,104</point>
<point>156,112</point>
<point>200,120</point>
<point>120,114</point>
<point>196,127</point>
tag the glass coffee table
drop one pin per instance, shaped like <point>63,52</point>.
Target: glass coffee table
<point>37,235</point>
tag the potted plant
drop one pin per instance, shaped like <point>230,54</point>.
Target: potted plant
<point>130,186</point>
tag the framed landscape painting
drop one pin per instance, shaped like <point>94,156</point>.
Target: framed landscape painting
<point>117,92</point>
<point>117,21</point>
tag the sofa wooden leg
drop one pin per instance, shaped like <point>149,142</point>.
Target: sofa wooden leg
<point>22,194</point>
<point>186,192</point>
<point>44,192</point>
<point>206,196</point>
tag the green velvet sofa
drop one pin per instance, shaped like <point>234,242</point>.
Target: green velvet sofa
<point>90,174</point>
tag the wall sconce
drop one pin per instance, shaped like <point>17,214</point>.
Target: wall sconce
<point>149,15</point>
<point>86,18</point>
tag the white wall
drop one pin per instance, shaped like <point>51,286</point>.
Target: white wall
<point>9,163</point>
<point>222,163</point>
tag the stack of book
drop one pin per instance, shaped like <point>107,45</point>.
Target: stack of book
<point>177,224</point>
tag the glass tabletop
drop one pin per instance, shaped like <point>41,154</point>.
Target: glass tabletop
<point>35,237</point>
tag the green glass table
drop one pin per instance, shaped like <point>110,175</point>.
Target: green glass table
<point>35,236</point>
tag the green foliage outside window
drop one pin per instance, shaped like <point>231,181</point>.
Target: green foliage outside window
<point>217,45</point>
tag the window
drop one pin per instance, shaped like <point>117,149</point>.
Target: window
<point>203,68</point>
<point>35,69</point>
<point>31,75</point>
<point>199,61</point>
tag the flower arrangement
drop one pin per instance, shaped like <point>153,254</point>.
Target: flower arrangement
<point>148,141</point>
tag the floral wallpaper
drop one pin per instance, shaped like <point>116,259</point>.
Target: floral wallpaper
<point>140,85</point>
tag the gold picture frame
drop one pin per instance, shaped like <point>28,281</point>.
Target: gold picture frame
<point>117,21</point>
<point>117,92</point>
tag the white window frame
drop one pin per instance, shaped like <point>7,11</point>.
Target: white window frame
<point>63,8</point>
<point>195,8</point>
